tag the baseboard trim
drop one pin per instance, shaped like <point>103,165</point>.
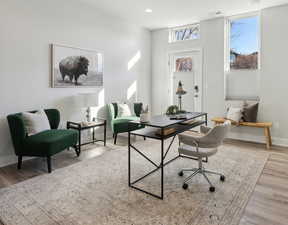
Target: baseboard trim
<point>11,159</point>
<point>276,141</point>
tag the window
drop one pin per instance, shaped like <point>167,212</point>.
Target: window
<point>243,43</point>
<point>190,32</point>
<point>242,57</point>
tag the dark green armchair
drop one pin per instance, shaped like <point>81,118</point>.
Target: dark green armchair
<point>44,144</point>
<point>120,124</point>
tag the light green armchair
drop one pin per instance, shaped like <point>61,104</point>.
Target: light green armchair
<point>120,124</point>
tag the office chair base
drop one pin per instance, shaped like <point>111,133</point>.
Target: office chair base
<point>185,186</point>
<point>212,189</point>
<point>202,171</point>
<point>222,178</point>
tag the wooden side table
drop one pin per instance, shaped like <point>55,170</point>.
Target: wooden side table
<point>80,126</point>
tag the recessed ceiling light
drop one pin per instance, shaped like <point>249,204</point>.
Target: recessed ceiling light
<point>148,10</point>
<point>255,2</point>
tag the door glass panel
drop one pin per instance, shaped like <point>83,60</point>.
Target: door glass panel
<point>183,71</point>
<point>183,64</point>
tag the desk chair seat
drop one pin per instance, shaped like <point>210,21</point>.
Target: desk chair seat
<point>191,151</point>
<point>202,145</point>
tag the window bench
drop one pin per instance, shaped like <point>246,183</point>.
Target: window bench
<point>266,126</point>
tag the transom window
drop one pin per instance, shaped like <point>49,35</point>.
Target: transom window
<point>189,32</point>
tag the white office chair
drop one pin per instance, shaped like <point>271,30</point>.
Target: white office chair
<point>202,145</point>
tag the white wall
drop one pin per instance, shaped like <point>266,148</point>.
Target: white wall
<point>273,73</point>
<point>212,44</point>
<point>29,27</point>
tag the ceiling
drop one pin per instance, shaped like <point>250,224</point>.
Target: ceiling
<point>167,13</point>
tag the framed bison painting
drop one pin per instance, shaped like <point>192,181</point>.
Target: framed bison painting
<point>76,67</point>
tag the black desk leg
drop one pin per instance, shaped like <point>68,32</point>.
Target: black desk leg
<point>162,165</point>
<point>93,134</point>
<point>129,161</point>
<point>105,133</point>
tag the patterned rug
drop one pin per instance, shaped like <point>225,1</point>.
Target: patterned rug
<point>96,191</point>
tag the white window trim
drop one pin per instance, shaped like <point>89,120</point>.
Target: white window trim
<point>172,38</point>
<point>227,38</point>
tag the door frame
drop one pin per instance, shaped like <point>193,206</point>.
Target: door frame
<point>198,80</point>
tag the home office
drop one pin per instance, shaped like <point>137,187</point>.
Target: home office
<point>157,113</point>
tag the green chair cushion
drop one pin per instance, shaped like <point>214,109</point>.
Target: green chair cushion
<point>49,142</point>
<point>120,124</point>
<point>124,119</point>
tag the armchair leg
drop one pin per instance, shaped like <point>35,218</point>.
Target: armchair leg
<point>144,138</point>
<point>19,162</point>
<point>115,138</point>
<point>49,164</point>
<point>77,150</point>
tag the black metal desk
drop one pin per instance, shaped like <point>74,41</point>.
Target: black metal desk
<point>161,122</point>
<point>92,125</point>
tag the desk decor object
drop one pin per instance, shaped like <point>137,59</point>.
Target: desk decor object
<point>166,131</point>
<point>180,91</point>
<point>172,110</point>
<point>76,67</point>
<point>181,116</point>
<point>144,115</point>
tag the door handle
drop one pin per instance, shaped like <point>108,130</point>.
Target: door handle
<point>196,88</point>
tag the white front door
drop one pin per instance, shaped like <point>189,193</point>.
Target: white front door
<point>186,67</point>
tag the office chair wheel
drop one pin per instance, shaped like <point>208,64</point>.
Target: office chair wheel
<point>180,174</point>
<point>212,189</point>
<point>222,178</point>
<point>185,186</point>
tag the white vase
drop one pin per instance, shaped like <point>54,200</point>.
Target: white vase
<point>144,117</point>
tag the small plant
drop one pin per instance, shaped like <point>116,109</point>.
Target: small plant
<point>172,110</point>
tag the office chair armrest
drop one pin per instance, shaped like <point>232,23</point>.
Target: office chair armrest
<point>204,129</point>
<point>189,139</point>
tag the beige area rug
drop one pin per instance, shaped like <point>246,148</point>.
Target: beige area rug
<point>96,191</point>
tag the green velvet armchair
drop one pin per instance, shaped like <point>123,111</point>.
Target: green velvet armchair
<point>120,124</point>
<point>44,144</point>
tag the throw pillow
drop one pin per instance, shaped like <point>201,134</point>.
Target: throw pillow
<point>234,114</point>
<point>35,122</point>
<point>123,110</point>
<point>250,113</point>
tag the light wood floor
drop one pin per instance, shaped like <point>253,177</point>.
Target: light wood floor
<point>268,204</point>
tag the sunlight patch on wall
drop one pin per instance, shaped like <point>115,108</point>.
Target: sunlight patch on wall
<point>132,91</point>
<point>134,60</point>
<point>101,98</point>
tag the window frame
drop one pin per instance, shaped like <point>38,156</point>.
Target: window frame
<point>227,42</point>
<point>172,30</point>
